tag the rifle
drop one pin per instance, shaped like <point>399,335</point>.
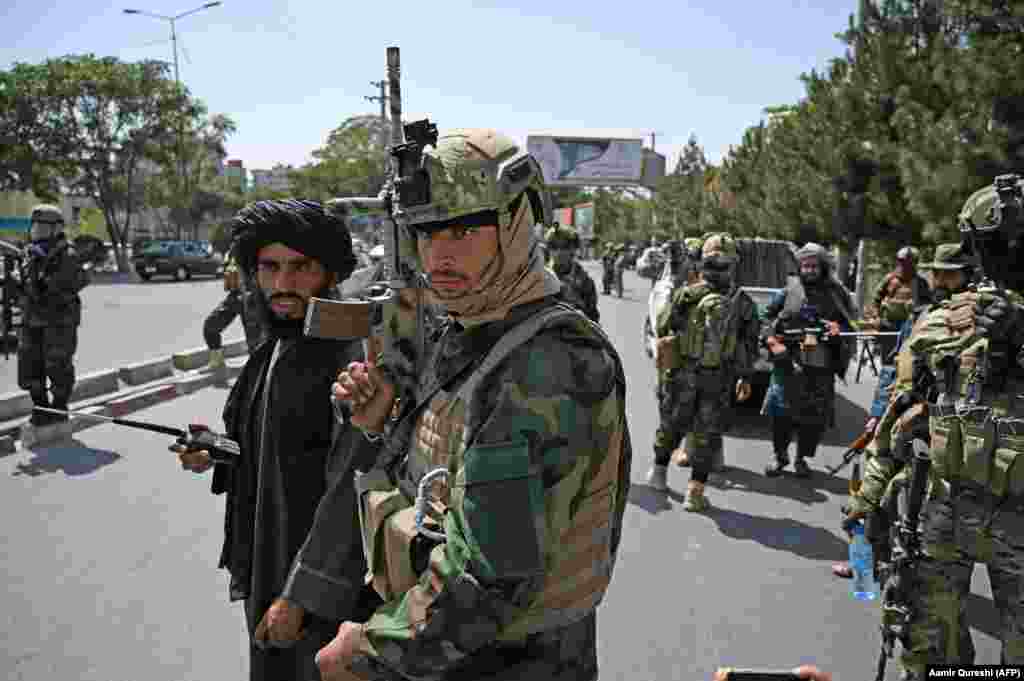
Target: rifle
<point>197,437</point>
<point>852,452</point>
<point>897,611</point>
<point>395,321</point>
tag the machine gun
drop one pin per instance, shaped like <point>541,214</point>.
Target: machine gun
<point>898,570</point>
<point>10,289</point>
<point>799,340</point>
<point>855,449</point>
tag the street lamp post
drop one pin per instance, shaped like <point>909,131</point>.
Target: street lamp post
<point>177,79</point>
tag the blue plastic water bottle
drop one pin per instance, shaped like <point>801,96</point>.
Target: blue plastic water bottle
<point>864,587</point>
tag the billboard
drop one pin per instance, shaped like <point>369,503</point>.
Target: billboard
<point>583,219</point>
<point>574,161</point>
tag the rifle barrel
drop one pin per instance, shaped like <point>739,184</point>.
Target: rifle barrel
<point>128,423</point>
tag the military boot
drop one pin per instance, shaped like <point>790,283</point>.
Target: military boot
<point>217,360</point>
<point>696,502</point>
<point>40,418</point>
<point>775,468</point>
<point>800,468</point>
<point>657,478</point>
<point>60,404</point>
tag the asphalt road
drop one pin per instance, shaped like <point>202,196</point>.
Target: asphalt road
<point>124,323</point>
<point>110,551</point>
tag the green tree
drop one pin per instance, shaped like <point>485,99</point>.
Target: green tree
<point>188,187</point>
<point>103,118</point>
<point>352,162</point>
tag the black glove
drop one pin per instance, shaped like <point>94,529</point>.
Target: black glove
<point>997,320</point>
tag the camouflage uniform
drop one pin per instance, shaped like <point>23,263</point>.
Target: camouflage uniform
<point>885,473</point>
<point>895,299</point>
<point>52,277</point>
<point>708,338</point>
<point>801,391</point>
<point>608,268</point>
<point>239,301</point>
<point>578,288</point>
<point>523,415</point>
<point>622,262</point>
<point>975,512</point>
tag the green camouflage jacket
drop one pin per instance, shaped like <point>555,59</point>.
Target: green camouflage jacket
<point>539,470</point>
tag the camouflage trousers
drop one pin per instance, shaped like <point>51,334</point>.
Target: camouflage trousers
<point>46,352</point>
<point>979,535</point>
<point>698,402</point>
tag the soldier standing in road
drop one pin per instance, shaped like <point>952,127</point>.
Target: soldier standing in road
<point>293,447</point>
<point>707,346</point>
<point>578,288</point>
<point>51,310</point>
<point>521,407</point>
<point>608,267</point>
<point>240,301</point>
<point>968,371</point>
<point>623,261</point>
<point>802,393</point>
<point>900,292</point>
<point>898,420</point>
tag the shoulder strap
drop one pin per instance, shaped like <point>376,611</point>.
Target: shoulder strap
<point>516,336</point>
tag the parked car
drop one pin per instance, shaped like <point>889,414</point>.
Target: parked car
<point>763,270</point>
<point>178,259</point>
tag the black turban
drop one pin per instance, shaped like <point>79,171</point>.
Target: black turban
<point>304,226</point>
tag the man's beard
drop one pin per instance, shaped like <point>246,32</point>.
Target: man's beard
<point>285,327</point>
<point>808,279</point>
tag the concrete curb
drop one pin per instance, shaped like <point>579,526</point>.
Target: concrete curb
<point>15,405</point>
<point>191,359</point>
<point>18,404</point>
<point>121,404</point>
<point>147,371</point>
<point>94,384</point>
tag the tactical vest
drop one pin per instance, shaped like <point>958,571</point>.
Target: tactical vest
<point>572,286</point>
<point>707,341</point>
<point>981,439</point>
<point>576,575</point>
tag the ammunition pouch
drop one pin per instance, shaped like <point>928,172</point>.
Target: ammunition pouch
<point>388,525</point>
<point>993,453</point>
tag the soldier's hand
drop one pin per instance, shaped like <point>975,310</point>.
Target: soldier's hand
<point>775,345</point>
<point>334,659</point>
<point>997,318</point>
<point>281,625</point>
<point>743,390</point>
<point>368,393</point>
<point>195,460</point>
<point>871,424</point>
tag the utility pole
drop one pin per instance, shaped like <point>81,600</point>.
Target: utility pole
<point>382,98</point>
<point>183,177</point>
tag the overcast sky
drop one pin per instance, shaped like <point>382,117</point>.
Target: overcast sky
<point>289,71</point>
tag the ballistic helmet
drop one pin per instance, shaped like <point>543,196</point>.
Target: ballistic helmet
<point>477,170</point>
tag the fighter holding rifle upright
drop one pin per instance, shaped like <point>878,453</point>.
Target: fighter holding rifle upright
<point>967,374</point>
<point>493,516</point>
